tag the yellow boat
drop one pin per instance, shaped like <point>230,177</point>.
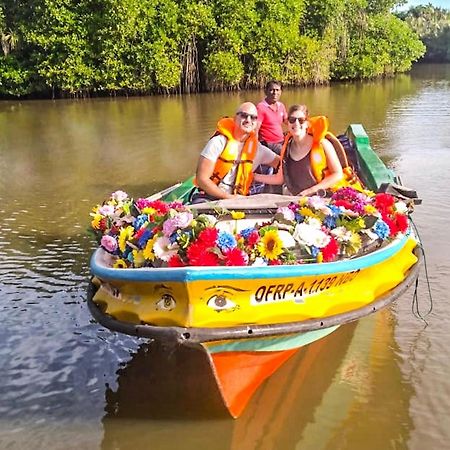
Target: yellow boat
<point>250,319</point>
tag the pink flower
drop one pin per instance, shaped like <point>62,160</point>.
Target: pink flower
<point>164,249</point>
<point>109,243</point>
<point>119,196</point>
<point>106,210</point>
<point>181,220</point>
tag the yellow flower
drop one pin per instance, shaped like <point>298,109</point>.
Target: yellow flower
<point>270,246</point>
<point>236,215</point>
<point>319,257</point>
<point>125,234</point>
<point>370,209</point>
<point>96,221</point>
<point>303,201</point>
<point>138,258</point>
<point>148,210</point>
<point>306,212</point>
<point>120,264</point>
<point>148,250</point>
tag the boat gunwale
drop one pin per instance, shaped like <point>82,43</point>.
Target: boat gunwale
<point>194,336</point>
<point>195,273</point>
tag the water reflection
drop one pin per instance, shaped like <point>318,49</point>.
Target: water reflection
<point>316,400</point>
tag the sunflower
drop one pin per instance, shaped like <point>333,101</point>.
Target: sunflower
<point>124,236</point>
<point>270,246</point>
<point>120,264</point>
<point>148,250</point>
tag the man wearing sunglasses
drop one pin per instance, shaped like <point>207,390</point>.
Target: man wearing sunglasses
<point>226,164</point>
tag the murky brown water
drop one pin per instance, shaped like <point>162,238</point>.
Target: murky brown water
<point>65,382</point>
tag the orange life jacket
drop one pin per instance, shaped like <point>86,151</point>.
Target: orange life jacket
<point>318,129</point>
<point>230,155</point>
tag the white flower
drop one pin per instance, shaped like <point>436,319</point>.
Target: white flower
<point>313,222</point>
<point>212,219</point>
<point>341,234</point>
<point>119,196</point>
<point>287,213</point>
<point>286,238</point>
<point>308,234</point>
<point>370,234</point>
<point>163,249</point>
<point>318,203</point>
<point>259,262</point>
<point>401,207</point>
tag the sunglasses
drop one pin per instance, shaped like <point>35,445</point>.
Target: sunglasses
<point>245,116</point>
<point>301,120</point>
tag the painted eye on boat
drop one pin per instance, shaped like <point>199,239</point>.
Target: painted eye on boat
<point>166,303</point>
<point>220,303</point>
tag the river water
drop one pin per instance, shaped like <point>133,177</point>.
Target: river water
<point>66,382</point>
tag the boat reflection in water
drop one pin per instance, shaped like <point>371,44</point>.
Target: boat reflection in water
<point>315,400</point>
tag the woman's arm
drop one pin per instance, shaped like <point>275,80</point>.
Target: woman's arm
<point>334,167</point>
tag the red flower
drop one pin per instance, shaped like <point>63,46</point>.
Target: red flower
<point>402,223</point>
<point>198,255</point>
<point>391,224</point>
<point>384,202</point>
<point>235,257</point>
<point>208,237</point>
<point>175,261</point>
<point>330,251</point>
<point>160,206</point>
<point>344,203</point>
<point>253,238</point>
<point>103,224</point>
<point>275,262</point>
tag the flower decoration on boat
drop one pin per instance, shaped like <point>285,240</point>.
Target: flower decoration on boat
<point>153,233</point>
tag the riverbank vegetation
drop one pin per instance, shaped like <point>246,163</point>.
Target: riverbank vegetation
<point>63,48</point>
<point>433,27</point>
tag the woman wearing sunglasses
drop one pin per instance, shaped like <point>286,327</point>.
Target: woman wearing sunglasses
<point>309,163</point>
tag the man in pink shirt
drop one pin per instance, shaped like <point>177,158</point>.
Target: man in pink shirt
<point>271,115</point>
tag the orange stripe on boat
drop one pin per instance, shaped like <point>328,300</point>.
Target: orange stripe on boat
<point>239,374</point>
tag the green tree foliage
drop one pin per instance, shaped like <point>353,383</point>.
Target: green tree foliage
<point>432,24</point>
<point>87,47</point>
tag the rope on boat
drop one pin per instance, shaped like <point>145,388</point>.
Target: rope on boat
<point>415,302</point>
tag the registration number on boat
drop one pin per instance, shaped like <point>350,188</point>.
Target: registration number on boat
<point>288,292</point>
